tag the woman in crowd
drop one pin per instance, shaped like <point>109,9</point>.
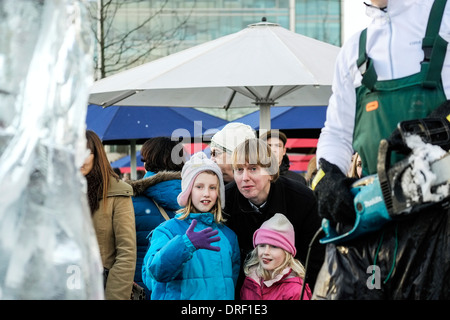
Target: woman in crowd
<point>113,218</point>
<point>258,193</point>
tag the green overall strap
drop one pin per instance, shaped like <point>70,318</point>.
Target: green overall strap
<point>365,64</point>
<point>434,47</point>
<point>435,57</point>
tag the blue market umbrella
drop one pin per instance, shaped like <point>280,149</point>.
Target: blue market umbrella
<point>286,118</point>
<point>121,124</point>
<point>125,162</point>
<point>131,125</point>
<point>310,118</point>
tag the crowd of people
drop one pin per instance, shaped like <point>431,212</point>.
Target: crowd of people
<point>241,225</point>
<point>198,237</point>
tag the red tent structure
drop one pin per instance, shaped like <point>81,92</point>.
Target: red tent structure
<point>299,162</point>
<point>124,163</point>
<point>301,143</point>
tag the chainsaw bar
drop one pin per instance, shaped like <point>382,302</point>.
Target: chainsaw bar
<point>441,168</point>
<point>419,183</point>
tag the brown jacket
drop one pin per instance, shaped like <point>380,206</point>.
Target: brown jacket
<point>116,236</point>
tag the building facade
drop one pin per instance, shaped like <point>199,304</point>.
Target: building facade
<point>133,32</point>
<point>136,32</point>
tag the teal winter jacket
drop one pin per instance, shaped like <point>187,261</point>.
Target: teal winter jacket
<point>163,188</point>
<point>175,270</point>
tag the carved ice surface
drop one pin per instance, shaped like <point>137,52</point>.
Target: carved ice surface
<point>48,248</point>
<point>420,173</point>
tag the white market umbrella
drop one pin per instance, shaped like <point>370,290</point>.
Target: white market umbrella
<point>264,65</point>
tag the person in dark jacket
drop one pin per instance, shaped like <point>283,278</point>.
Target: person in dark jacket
<point>258,192</point>
<point>155,195</point>
<point>277,142</point>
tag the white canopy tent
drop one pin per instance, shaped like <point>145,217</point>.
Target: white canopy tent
<point>264,65</point>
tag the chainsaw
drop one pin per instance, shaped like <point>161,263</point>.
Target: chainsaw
<point>419,181</point>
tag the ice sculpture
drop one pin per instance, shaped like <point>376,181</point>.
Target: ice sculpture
<point>48,248</point>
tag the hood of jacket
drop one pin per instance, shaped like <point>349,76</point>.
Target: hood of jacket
<point>140,186</point>
<point>162,187</point>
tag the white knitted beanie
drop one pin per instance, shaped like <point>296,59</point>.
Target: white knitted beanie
<point>232,135</point>
<point>197,164</point>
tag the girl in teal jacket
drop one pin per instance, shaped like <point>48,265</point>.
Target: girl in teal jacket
<point>181,263</point>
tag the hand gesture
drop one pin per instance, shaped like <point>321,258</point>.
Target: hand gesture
<point>203,238</point>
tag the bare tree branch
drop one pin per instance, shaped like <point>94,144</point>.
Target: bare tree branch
<point>119,48</point>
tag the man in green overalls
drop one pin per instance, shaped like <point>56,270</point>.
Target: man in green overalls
<point>397,69</point>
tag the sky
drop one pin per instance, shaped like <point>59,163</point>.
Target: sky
<point>354,17</point>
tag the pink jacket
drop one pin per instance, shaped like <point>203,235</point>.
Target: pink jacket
<point>285,286</point>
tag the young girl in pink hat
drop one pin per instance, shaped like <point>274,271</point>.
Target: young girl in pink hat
<point>272,272</point>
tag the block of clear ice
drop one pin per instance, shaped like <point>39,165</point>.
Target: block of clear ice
<point>48,248</point>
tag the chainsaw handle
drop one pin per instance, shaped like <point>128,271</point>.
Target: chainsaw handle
<point>383,166</point>
<point>435,131</point>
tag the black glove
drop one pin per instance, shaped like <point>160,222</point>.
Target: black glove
<point>397,143</point>
<point>335,201</point>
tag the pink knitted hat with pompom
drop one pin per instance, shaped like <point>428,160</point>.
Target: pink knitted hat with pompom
<point>277,231</point>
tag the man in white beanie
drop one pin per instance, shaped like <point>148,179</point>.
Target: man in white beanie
<point>223,144</point>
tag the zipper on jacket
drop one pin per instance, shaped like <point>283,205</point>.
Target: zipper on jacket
<point>390,45</point>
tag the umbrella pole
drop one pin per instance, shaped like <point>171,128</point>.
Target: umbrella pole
<point>133,161</point>
<point>264,117</point>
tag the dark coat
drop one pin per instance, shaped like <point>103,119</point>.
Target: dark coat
<point>291,198</point>
<point>284,171</point>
